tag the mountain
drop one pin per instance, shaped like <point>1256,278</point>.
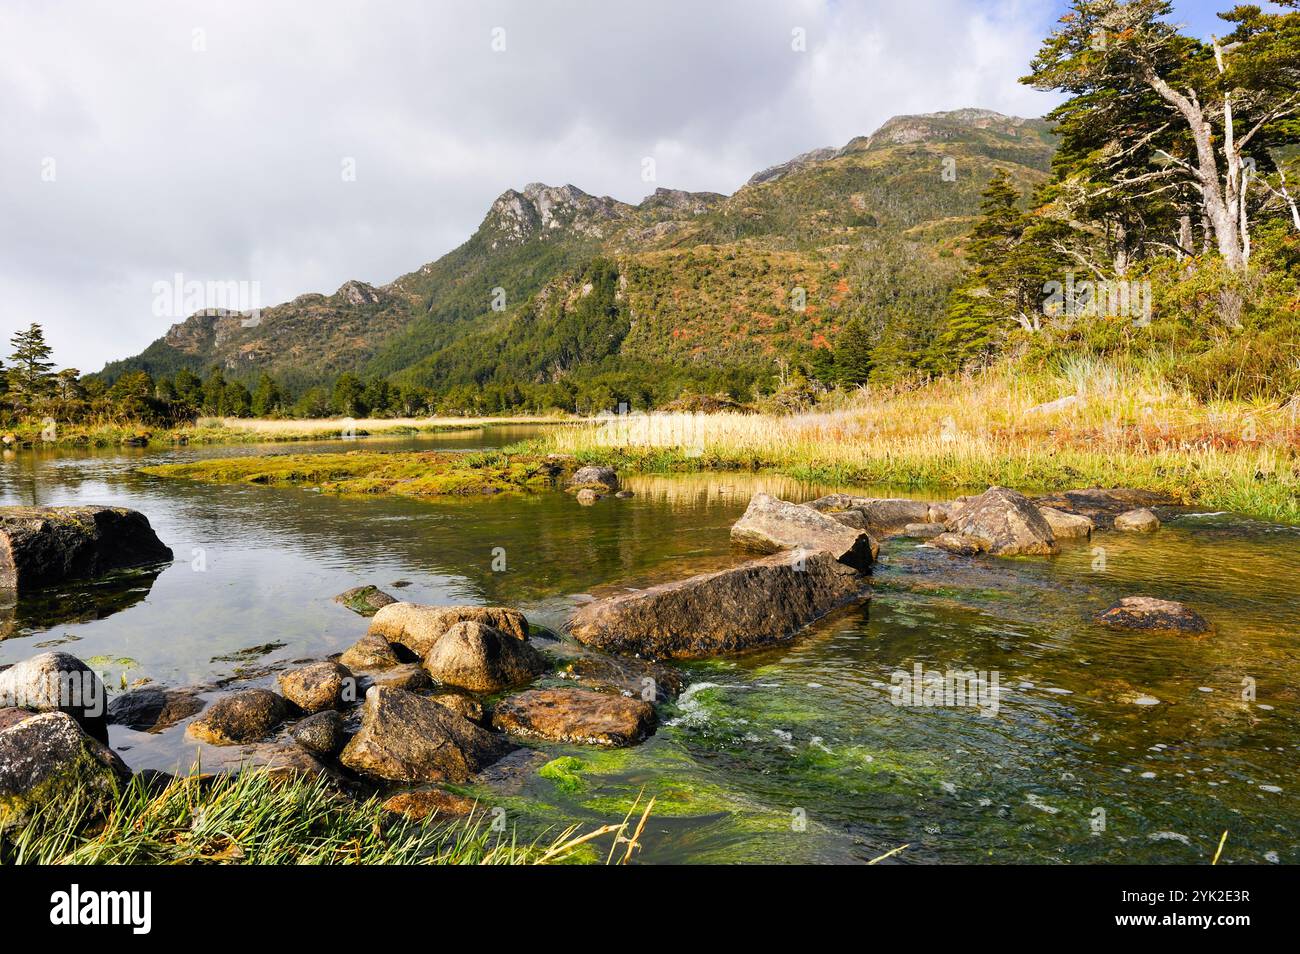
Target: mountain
<point>557,288</point>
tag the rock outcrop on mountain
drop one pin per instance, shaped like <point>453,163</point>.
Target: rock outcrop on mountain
<point>701,282</point>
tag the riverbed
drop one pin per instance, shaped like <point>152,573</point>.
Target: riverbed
<point>1105,746</point>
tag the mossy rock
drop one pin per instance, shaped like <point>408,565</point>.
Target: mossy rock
<point>47,760</point>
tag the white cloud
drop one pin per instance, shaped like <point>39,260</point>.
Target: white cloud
<point>225,164</point>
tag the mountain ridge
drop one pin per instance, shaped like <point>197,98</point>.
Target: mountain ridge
<point>786,224</point>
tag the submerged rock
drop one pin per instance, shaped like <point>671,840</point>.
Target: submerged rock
<point>923,531</point>
<point>1001,522</point>
<point>152,708</point>
<point>420,804</point>
<point>471,655</point>
<point>319,686</point>
<point>408,738</point>
<point>1067,526</point>
<point>239,718</point>
<point>44,545</point>
<point>46,759</point>
<point>753,604</point>
<point>58,682</point>
<point>371,651</point>
<point>1137,521</point>
<point>418,627</point>
<point>770,525</point>
<point>1149,614</point>
<point>626,675</point>
<point>586,496</point>
<point>579,716</point>
<point>366,600</point>
<point>1103,505</point>
<point>320,734</point>
<point>595,477</point>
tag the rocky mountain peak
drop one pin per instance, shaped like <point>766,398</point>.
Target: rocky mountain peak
<point>541,209</point>
<point>680,201</point>
<point>357,293</point>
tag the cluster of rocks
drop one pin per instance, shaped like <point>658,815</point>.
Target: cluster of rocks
<point>435,695</point>
<point>593,482</point>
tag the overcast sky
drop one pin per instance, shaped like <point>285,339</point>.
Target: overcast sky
<point>140,139</point>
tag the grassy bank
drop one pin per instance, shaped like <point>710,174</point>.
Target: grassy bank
<point>1117,427</point>
<point>408,474</point>
<point>252,817</point>
<point>238,430</point>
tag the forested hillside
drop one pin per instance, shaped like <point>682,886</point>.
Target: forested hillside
<point>833,267</point>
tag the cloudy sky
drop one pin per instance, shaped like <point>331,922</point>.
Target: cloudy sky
<point>143,139</point>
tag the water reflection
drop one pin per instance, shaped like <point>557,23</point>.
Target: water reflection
<point>1155,732</point>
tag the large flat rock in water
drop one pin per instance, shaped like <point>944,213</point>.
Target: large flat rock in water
<point>770,525</point>
<point>753,604</point>
<point>44,545</point>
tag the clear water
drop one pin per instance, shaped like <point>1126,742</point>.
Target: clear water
<point>790,754</point>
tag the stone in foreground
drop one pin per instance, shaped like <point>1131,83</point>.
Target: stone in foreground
<point>1067,526</point>
<point>1137,521</point>
<point>579,716</point>
<point>408,738</point>
<point>418,627</point>
<point>365,600</point>
<point>1001,522</point>
<point>319,686</point>
<point>473,656</point>
<point>770,525</point>
<point>369,652</point>
<point>754,604</point>
<point>1148,614</point>
<point>44,545</point>
<point>410,676</point>
<point>47,759</point>
<point>240,718</point>
<point>152,708</point>
<point>320,734</point>
<point>58,682</point>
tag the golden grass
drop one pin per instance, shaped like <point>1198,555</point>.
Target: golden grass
<point>1124,427</point>
<point>269,429</point>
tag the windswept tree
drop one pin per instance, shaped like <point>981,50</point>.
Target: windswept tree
<point>1157,116</point>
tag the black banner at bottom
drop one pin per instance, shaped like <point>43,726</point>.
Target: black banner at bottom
<point>144,906</point>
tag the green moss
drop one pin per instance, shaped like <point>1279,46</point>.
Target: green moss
<point>422,474</point>
<point>566,773</point>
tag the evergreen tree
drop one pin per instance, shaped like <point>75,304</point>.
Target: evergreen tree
<point>266,396</point>
<point>31,378</point>
<point>347,397</point>
<point>853,353</point>
<point>189,387</point>
<point>214,393</point>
